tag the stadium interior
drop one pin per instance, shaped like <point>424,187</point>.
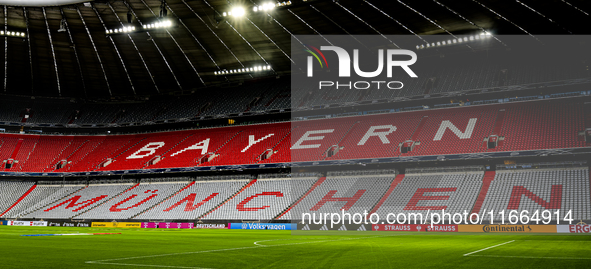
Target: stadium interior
<point>184,111</point>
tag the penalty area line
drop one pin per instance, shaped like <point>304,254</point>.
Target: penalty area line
<point>488,248</point>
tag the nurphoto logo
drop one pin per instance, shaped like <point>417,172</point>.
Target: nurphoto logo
<point>345,61</point>
<point>343,65</point>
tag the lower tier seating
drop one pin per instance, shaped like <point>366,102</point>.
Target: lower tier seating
<point>457,190</point>
<point>264,199</point>
<point>11,191</point>
<point>552,190</point>
<point>80,202</point>
<point>353,194</point>
<point>195,200</point>
<point>419,193</point>
<point>41,196</point>
<point>134,201</point>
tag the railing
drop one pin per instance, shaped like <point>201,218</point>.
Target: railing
<point>362,172</point>
<point>166,179</point>
<point>548,165</point>
<point>111,181</point>
<point>234,177</point>
<point>289,175</point>
<point>77,182</point>
<point>424,170</point>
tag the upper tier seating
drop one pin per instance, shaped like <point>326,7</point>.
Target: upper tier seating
<point>137,155</point>
<point>523,126</point>
<point>356,145</point>
<point>250,143</point>
<point>544,128</point>
<point>189,152</point>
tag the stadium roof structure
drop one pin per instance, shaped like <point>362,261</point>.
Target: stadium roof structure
<point>75,50</point>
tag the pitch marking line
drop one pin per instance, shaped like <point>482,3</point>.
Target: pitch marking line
<point>488,248</point>
<point>110,261</point>
<point>531,257</point>
<point>146,265</point>
<point>272,240</point>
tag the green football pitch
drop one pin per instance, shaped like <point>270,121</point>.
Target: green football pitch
<point>171,248</point>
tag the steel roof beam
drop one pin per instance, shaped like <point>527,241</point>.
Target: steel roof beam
<point>57,76</point>
<point>75,50</point>
<point>155,45</point>
<point>95,50</point>
<point>115,46</point>
<point>177,44</point>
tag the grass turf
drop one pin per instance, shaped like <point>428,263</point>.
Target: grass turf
<point>171,248</point>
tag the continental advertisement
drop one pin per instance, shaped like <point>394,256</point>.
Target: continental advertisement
<point>117,225</point>
<point>498,228</point>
